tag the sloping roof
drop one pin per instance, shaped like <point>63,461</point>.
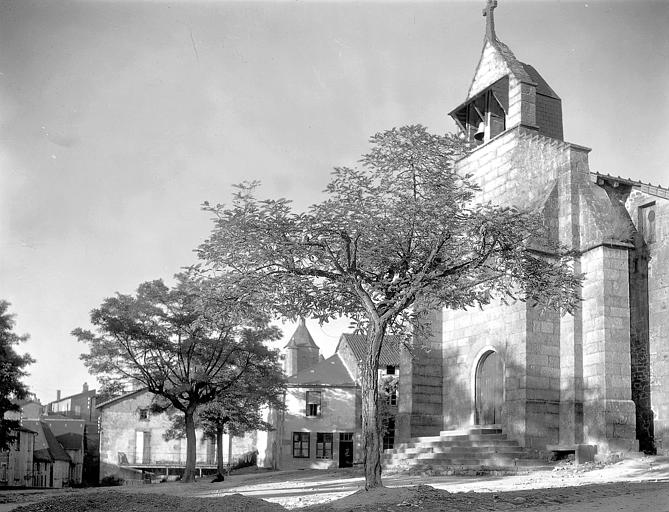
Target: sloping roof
<point>42,455</point>
<point>390,351</point>
<point>120,398</point>
<point>301,337</point>
<point>646,188</point>
<point>329,372</point>
<point>542,85</point>
<point>71,441</point>
<point>47,441</point>
<point>57,451</point>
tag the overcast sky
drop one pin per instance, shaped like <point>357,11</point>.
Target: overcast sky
<point>118,119</point>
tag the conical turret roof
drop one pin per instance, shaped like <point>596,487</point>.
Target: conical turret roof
<point>301,337</point>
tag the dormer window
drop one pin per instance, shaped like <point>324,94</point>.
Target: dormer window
<point>484,116</point>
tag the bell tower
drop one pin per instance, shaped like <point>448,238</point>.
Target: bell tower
<point>506,93</point>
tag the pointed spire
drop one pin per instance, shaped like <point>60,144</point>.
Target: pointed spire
<point>301,337</point>
<point>490,20</point>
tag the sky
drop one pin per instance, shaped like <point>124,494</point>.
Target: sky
<point>119,119</point>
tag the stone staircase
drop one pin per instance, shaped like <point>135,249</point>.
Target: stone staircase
<point>476,451</point>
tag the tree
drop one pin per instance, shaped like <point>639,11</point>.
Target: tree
<point>395,238</point>
<point>11,372</point>
<point>236,412</point>
<point>181,344</point>
<point>243,412</point>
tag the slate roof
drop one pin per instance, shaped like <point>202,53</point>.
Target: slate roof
<point>542,85</point>
<point>301,337</point>
<point>42,455</point>
<point>331,372</point>
<point>47,442</point>
<point>390,351</point>
<point>71,441</point>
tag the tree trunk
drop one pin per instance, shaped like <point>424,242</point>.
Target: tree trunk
<point>191,454</point>
<point>371,425</point>
<point>220,463</point>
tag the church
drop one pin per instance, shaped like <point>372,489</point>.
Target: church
<point>598,378</point>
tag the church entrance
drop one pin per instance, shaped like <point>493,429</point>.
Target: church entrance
<point>489,386</point>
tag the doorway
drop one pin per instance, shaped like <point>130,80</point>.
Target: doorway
<point>345,449</point>
<point>489,391</point>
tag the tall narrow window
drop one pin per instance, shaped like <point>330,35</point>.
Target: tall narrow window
<point>389,434</point>
<point>301,445</point>
<point>647,222</point>
<point>324,445</point>
<point>313,403</point>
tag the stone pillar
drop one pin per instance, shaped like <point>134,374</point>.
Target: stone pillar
<point>571,325</point>
<point>419,408</point>
<point>609,413</point>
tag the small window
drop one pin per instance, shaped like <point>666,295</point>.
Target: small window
<point>346,436</point>
<point>301,445</point>
<point>324,445</point>
<point>17,441</point>
<point>144,414</point>
<point>647,222</point>
<point>389,434</point>
<point>313,403</point>
<point>390,370</point>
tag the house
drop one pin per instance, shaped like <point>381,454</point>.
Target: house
<point>52,466</point>
<point>16,462</point>
<point>70,434</point>
<point>132,441</point>
<point>321,425</point>
<point>80,405</point>
<point>76,418</point>
<point>599,377</point>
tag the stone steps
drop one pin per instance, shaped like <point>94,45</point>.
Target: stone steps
<point>479,450</point>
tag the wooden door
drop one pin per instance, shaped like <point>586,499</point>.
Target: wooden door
<point>346,449</point>
<point>489,390</point>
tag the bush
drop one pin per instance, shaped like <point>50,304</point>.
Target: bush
<point>245,460</point>
<point>111,481</point>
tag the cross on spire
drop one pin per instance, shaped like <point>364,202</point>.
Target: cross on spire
<point>490,20</point>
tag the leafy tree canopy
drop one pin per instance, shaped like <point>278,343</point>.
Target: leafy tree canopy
<point>182,344</point>
<point>12,370</point>
<point>396,237</point>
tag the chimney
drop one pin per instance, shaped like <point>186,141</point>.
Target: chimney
<point>57,394</point>
<point>85,387</point>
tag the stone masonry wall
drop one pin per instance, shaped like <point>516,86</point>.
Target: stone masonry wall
<point>608,411</point>
<point>468,336</point>
<point>491,67</point>
<point>658,313</point>
<point>420,390</point>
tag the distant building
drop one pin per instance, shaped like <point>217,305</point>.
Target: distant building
<point>132,442</point>
<point>75,419</point>
<point>16,462</point>
<point>52,466</point>
<point>321,425</point>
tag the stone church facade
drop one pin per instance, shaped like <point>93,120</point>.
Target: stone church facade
<point>599,377</point>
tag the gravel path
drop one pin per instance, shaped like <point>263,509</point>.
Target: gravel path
<point>635,484</point>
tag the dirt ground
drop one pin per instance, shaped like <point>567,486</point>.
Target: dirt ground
<point>633,484</point>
